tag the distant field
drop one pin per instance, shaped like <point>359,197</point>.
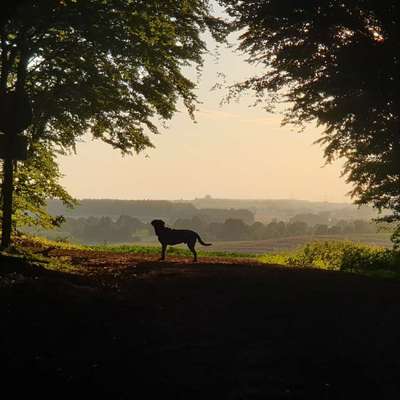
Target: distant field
<point>289,243</point>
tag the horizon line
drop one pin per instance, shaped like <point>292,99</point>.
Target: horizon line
<point>213,199</point>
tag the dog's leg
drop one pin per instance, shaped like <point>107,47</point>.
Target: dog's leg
<point>163,250</point>
<point>192,249</point>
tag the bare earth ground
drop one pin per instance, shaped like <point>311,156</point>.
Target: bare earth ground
<point>124,327</point>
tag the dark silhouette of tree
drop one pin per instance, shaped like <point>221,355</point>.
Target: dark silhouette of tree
<point>111,68</point>
<point>337,63</point>
<point>105,66</point>
<point>9,8</point>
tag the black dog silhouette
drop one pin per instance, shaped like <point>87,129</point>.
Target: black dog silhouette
<point>168,236</point>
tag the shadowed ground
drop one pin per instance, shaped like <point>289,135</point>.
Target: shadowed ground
<point>121,325</point>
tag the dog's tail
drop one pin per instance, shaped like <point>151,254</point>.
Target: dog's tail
<point>203,243</point>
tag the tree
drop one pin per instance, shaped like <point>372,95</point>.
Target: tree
<point>35,181</point>
<point>296,228</point>
<point>311,219</point>
<point>9,8</point>
<point>276,229</point>
<point>109,67</point>
<point>337,63</point>
<point>235,229</point>
<point>257,231</point>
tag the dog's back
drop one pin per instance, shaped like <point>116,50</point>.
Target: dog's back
<point>175,236</point>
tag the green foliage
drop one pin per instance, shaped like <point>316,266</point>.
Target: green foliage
<point>337,63</point>
<point>22,241</point>
<point>110,68</point>
<point>340,256</point>
<point>396,238</point>
<point>35,181</point>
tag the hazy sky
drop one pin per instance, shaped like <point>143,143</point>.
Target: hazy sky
<point>233,151</point>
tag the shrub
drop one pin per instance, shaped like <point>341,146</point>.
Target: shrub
<point>341,256</point>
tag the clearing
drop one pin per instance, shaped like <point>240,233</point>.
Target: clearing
<point>118,325</point>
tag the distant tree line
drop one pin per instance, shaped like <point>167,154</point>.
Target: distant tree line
<point>215,210</point>
<point>126,229</point>
<point>104,229</point>
<point>146,210</point>
<point>235,229</point>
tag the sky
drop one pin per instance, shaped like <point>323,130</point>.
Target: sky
<point>232,151</point>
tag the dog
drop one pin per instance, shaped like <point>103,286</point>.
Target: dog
<point>168,236</point>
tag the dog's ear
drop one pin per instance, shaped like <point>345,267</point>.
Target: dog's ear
<point>157,222</point>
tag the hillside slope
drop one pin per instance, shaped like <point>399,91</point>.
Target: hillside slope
<point>116,326</point>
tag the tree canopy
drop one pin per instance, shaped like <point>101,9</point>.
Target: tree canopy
<point>337,63</point>
<point>111,68</point>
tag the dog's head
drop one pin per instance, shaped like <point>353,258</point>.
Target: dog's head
<point>158,223</point>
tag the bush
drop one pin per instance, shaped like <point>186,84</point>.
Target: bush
<point>368,258</point>
<point>340,256</point>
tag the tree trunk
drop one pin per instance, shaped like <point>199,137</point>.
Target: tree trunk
<point>7,202</point>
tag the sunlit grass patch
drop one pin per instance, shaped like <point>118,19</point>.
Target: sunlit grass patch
<point>340,256</point>
<point>45,243</point>
<point>173,251</point>
<point>125,248</point>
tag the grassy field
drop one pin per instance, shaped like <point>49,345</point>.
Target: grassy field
<point>323,253</point>
<point>258,247</point>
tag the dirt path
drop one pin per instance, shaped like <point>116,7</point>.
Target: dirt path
<point>124,325</point>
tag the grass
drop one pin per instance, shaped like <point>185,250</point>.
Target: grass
<point>24,251</point>
<point>336,255</point>
<point>179,250</point>
<point>43,242</point>
<point>176,251</point>
<point>275,244</point>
